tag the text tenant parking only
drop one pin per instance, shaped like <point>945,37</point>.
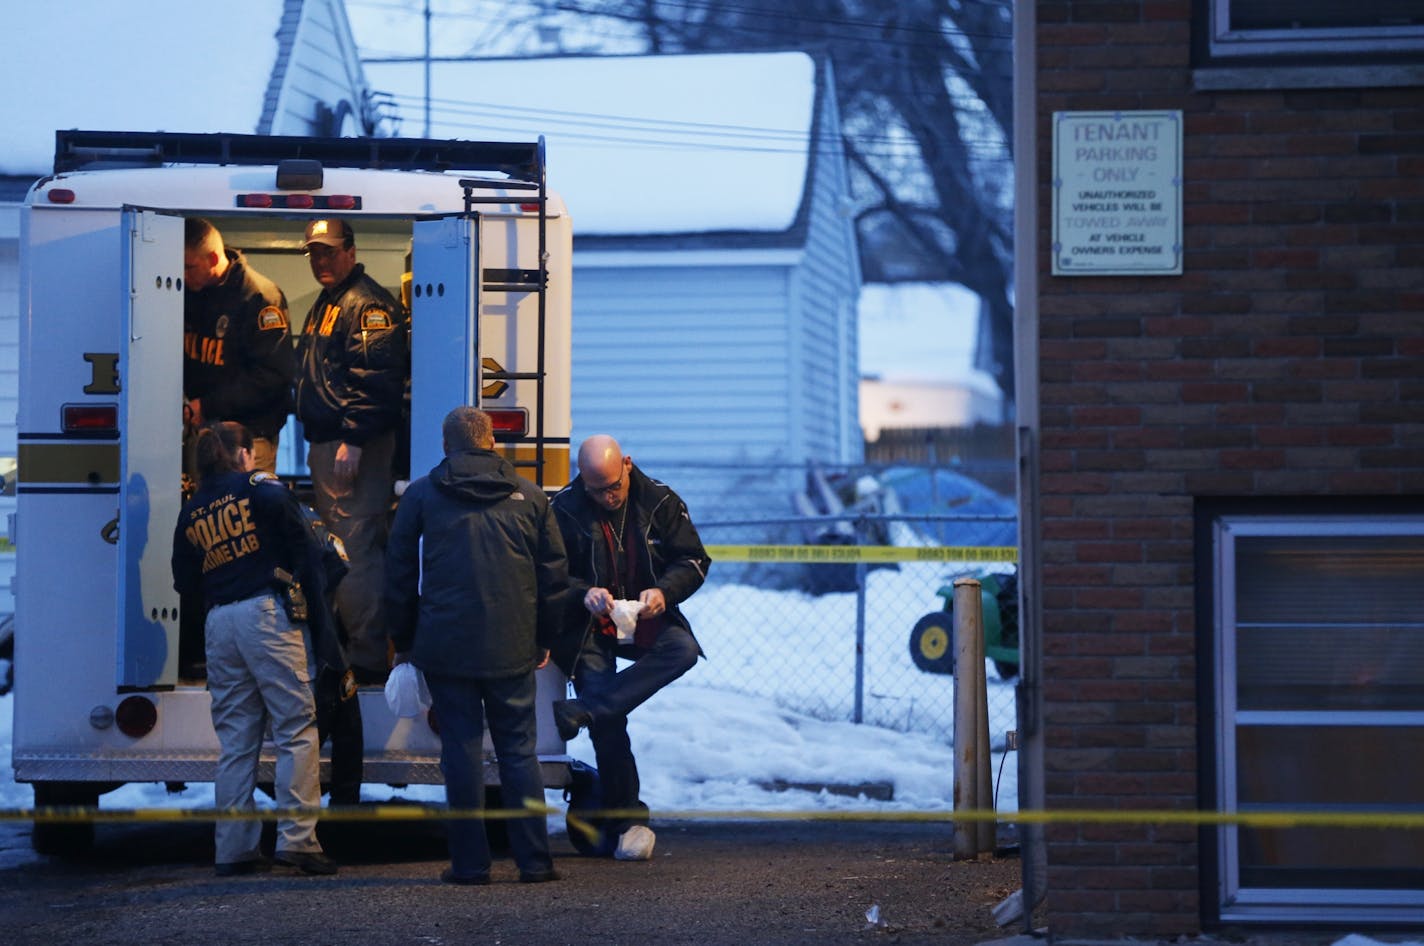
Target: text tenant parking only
<point>1117,193</point>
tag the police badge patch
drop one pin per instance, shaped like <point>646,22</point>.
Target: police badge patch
<point>220,329</point>
<point>271,317</point>
<point>375,320</point>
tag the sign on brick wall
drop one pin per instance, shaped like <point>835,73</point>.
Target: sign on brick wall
<point>1117,193</point>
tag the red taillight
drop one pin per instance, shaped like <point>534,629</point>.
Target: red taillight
<point>529,208</point>
<point>300,201</point>
<point>513,421</point>
<point>136,716</point>
<point>61,195</point>
<point>90,418</point>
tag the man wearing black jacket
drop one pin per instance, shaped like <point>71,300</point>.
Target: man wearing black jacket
<point>350,393</point>
<point>628,538</point>
<point>238,366</point>
<point>238,362</point>
<point>475,588</point>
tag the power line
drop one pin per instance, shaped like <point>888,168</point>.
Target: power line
<point>458,114</point>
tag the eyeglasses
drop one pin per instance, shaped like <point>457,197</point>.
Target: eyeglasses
<point>610,490</point>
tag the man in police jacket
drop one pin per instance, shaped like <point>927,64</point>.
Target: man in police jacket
<point>238,362</point>
<point>350,390</point>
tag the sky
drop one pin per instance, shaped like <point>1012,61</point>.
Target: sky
<point>918,331</point>
<point>64,62</point>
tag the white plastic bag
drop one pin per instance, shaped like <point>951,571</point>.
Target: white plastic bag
<point>625,617</point>
<point>406,692</point>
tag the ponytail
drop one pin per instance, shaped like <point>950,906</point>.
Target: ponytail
<point>218,445</point>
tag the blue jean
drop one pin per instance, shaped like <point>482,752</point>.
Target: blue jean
<point>460,706</point>
<point>610,695</point>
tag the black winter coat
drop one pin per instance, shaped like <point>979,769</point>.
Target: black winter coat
<point>354,363</point>
<point>475,570</point>
<point>237,350</point>
<point>657,516</point>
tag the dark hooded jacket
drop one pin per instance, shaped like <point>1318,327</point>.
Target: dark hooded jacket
<point>669,551</point>
<point>475,570</point>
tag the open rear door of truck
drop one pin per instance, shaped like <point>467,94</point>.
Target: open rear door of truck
<point>150,424</point>
<point>444,347</point>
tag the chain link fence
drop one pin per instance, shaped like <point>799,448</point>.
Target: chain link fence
<point>807,606</point>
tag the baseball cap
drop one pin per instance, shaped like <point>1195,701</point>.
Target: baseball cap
<point>329,232</point>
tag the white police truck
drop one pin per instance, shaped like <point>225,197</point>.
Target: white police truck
<point>483,249</point>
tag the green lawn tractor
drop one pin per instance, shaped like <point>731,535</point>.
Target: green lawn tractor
<point>932,640</point>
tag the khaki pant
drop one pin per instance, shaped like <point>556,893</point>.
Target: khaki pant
<point>258,673</point>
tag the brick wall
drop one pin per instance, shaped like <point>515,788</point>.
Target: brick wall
<point>1287,361</point>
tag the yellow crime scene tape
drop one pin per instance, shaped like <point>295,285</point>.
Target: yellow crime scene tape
<point>72,814</point>
<point>871,554</point>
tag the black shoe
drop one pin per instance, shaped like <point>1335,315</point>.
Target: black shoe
<point>571,716</point>
<point>539,877</point>
<point>448,876</point>
<point>242,868</point>
<point>308,862</point>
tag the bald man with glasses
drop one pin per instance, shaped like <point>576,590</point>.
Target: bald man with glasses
<point>629,538</point>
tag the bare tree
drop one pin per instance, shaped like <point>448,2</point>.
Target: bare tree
<point>925,93</point>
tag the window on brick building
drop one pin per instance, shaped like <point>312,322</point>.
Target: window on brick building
<point>1309,43</point>
<point>1317,668</point>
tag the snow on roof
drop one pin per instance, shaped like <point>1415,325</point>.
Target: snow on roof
<point>636,144</point>
<point>162,65</point>
<point>918,331</point>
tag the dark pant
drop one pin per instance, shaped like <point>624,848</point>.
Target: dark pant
<point>460,708</point>
<point>341,723</point>
<point>610,695</point>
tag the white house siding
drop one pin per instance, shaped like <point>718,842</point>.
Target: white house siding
<point>749,364</point>
<point>827,284</point>
<point>684,364</point>
<point>323,69</point>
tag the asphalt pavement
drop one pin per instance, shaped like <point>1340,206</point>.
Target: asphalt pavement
<point>708,883</point>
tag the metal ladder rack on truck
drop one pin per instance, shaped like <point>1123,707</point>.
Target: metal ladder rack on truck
<point>98,698</point>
